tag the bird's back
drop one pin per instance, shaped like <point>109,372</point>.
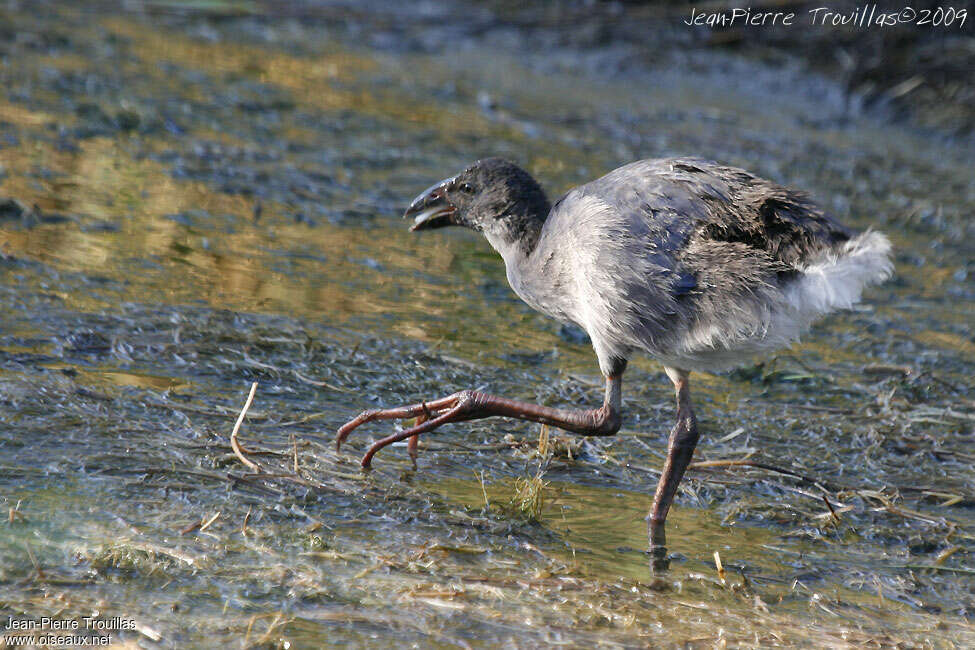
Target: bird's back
<point>697,263</point>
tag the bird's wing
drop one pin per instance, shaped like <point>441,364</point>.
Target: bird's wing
<point>658,245</point>
<point>608,257</point>
<point>698,200</point>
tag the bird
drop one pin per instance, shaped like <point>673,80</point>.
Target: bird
<point>699,265</point>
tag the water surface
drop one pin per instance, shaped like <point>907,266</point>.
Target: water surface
<point>206,198</point>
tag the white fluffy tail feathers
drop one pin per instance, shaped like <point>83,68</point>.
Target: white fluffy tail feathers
<point>830,281</point>
<point>837,278</point>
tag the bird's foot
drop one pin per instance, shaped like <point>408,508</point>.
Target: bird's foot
<point>428,416</point>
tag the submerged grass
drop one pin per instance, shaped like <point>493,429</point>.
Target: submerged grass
<point>529,498</point>
<point>320,535</point>
<point>135,560</point>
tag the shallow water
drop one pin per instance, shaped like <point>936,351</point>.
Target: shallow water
<point>208,199</point>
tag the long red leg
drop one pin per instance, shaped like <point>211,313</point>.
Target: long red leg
<point>680,449</point>
<point>473,405</point>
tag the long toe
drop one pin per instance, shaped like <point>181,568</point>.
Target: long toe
<point>413,444</point>
<point>452,415</point>
<point>351,425</point>
<point>426,409</point>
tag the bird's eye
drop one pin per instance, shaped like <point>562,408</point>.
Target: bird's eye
<point>467,188</point>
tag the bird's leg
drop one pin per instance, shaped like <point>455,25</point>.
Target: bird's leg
<point>680,448</point>
<point>473,405</point>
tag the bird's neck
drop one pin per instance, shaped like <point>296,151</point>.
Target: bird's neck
<point>522,229</point>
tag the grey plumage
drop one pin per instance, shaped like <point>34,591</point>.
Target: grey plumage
<point>698,264</point>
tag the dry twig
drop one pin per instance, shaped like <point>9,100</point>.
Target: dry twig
<point>238,451</point>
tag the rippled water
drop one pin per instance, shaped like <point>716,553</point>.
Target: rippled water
<point>206,198</point>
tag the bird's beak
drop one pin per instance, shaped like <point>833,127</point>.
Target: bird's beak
<point>432,209</point>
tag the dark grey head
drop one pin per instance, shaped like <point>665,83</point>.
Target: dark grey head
<point>492,196</point>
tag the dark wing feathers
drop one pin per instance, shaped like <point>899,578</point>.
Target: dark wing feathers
<point>688,202</point>
<point>764,216</point>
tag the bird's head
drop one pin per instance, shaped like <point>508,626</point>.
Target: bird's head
<point>492,196</point>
